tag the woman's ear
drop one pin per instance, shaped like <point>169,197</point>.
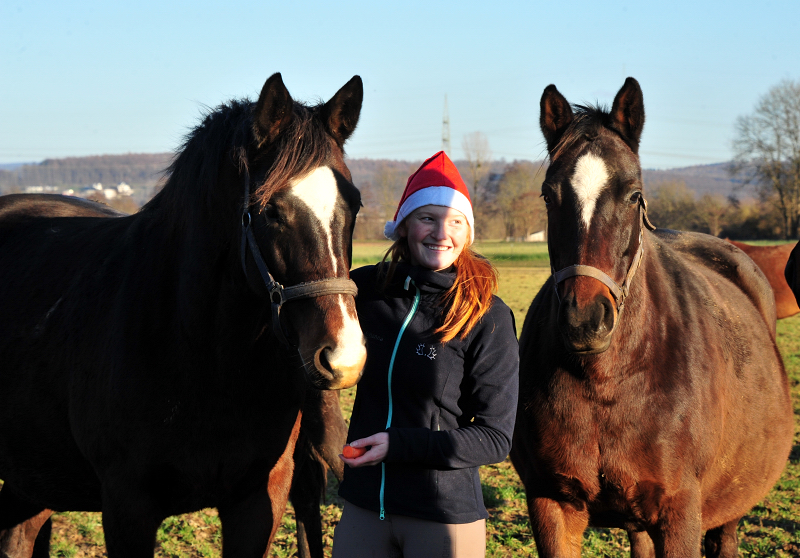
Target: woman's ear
<point>401,229</point>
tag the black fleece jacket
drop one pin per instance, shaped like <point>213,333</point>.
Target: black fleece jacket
<point>448,408</point>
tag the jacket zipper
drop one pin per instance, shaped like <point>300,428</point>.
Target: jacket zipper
<point>409,317</point>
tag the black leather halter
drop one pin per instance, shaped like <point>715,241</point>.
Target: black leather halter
<point>620,292</point>
<point>278,294</point>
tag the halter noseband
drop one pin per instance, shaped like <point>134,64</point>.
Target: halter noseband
<point>278,294</point>
<point>620,292</point>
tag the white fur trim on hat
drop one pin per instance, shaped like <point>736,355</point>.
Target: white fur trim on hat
<point>432,195</point>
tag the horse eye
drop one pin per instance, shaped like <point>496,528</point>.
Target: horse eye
<point>635,197</point>
<point>546,198</point>
<point>271,212</point>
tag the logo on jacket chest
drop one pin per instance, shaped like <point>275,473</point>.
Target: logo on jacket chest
<point>426,351</point>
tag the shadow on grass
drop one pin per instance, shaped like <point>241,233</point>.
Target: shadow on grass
<point>764,524</point>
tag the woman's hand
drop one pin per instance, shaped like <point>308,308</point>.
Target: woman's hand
<point>376,454</point>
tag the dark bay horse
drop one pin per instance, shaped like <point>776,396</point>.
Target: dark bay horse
<point>148,364</point>
<point>652,394</point>
<point>323,430</point>
<point>772,260</point>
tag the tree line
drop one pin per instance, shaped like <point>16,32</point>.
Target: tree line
<point>506,195</point>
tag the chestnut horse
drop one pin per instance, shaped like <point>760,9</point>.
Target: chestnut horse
<point>772,260</point>
<point>323,430</point>
<point>153,364</point>
<point>652,395</point>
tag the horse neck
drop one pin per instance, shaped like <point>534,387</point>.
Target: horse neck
<point>199,256</point>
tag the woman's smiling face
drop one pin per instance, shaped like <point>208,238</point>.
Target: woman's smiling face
<point>436,235</point>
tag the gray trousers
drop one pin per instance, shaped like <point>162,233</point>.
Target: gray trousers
<point>361,534</point>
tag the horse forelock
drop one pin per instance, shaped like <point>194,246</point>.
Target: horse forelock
<point>585,126</point>
<point>305,145</point>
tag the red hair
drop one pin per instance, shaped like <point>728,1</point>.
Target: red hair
<point>467,300</point>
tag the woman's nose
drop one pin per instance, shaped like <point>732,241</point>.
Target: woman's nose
<point>439,231</point>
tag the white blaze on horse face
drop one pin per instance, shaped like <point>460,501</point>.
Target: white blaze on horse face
<point>319,191</point>
<point>589,180</point>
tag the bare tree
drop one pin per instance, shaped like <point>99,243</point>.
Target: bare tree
<point>672,205</point>
<point>768,141</point>
<point>518,198</point>
<point>712,211</point>
<point>479,157</point>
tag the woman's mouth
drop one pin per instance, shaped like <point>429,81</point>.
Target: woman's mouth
<point>436,248</point>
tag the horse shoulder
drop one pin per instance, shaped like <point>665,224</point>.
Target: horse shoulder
<point>711,255</point>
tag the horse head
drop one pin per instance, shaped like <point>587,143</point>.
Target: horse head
<point>595,211</point>
<point>297,228</point>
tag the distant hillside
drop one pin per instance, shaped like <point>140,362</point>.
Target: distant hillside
<point>143,171</point>
<point>703,179</point>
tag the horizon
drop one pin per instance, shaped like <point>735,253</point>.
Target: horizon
<point>96,79</point>
<point>14,166</point>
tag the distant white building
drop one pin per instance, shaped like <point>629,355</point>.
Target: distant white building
<point>41,189</point>
<point>540,236</point>
<point>124,190</point>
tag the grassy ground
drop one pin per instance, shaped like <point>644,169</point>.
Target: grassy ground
<point>771,529</point>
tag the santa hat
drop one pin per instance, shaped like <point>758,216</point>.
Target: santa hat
<point>436,182</point>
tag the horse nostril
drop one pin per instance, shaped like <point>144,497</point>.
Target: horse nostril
<point>606,318</point>
<point>323,364</point>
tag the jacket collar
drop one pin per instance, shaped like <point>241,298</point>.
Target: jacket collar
<point>426,280</point>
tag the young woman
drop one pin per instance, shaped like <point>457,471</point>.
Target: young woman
<point>439,392</point>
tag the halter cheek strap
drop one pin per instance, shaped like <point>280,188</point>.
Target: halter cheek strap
<point>278,294</point>
<point>620,292</point>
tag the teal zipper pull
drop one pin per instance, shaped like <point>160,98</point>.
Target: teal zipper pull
<point>409,317</point>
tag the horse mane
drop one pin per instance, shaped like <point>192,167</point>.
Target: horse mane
<point>227,134</point>
<point>586,125</point>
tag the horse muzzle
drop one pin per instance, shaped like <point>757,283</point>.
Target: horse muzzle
<point>331,343</point>
<point>587,317</point>
<point>337,368</point>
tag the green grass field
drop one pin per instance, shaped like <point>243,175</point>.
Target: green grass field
<point>769,530</point>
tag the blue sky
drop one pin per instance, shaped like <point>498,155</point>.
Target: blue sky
<point>89,78</point>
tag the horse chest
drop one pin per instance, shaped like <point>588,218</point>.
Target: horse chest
<point>609,448</point>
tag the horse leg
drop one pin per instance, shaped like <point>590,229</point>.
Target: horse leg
<point>723,541</point>
<point>641,545</point>
<point>308,485</point>
<point>679,531</point>
<point>29,539</point>
<point>130,524</point>
<point>20,522</point>
<point>41,549</point>
<point>249,525</point>
<point>323,432</point>
<point>557,528</point>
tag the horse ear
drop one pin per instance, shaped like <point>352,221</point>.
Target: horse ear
<point>274,109</point>
<point>341,113</point>
<point>627,113</point>
<point>555,116</point>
